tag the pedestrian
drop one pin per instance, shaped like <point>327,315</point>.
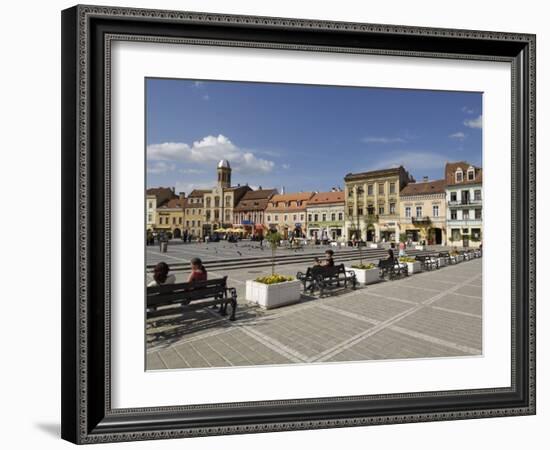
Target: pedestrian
<point>401,249</point>
<point>161,276</point>
<point>198,271</point>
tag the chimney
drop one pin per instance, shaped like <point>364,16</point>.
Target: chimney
<point>282,190</point>
<point>182,195</point>
<point>424,178</point>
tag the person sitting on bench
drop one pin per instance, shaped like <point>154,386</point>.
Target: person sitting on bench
<point>390,257</point>
<point>328,262</point>
<point>160,275</point>
<point>198,271</point>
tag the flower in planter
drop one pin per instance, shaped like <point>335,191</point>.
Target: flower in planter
<point>407,259</point>
<point>273,279</point>
<point>363,266</point>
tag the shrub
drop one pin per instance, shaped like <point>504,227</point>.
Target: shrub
<point>274,279</point>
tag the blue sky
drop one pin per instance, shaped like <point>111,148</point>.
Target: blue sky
<point>302,137</point>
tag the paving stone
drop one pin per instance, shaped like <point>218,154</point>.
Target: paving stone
<point>374,322</point>
<point>460,303</point>
<point>369,306</point>
<point>390,344</point>
<point>460,329</point>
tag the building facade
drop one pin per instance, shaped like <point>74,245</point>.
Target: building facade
<point>423,210</point>
<point>151,212</point>
<point>170,216</point>
<point>249,214</point>
<point>221,200</point>
<point>194,213</point>
<point>325,216</point>
<point>372,204</point>
<point>464,196</point>
<point>286,213</point>
<point>155,198</point>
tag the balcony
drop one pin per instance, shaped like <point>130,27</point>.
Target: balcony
<point>364,218</point>
<point>421,221</point>
<point>464,222</point>
<point>469,202</point>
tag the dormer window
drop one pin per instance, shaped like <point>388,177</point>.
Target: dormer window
<point>459,176</point>
<point>471,174</point>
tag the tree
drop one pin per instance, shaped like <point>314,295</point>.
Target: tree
<point>273,238</point>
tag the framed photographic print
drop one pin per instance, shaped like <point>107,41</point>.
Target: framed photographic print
<point>280,224</point>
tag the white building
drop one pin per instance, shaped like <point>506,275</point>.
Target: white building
<point>325,215</point>
<point>464,197</point>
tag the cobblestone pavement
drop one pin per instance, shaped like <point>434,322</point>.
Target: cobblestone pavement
<point>427,315</point>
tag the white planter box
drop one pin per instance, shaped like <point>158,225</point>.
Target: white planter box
<point>442,262</point>
<point>365,276</point>
<point>374,246</point>
<point>459,258</point>
<point>273,295</point>
<point>413,267</point>
<point>419,247</point>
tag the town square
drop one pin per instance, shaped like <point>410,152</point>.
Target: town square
<point>259,255</point>
<point>434,311</point>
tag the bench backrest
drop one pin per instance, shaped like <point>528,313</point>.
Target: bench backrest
<point>185,292</point>
<point>326,271</point>
<point>386,263</point>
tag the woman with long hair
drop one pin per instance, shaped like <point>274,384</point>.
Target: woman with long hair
<point>198,271</point>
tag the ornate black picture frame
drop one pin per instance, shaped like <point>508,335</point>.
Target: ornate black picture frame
<point>87,33</point>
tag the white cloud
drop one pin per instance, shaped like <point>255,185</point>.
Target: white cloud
<point>383,140</point>
<point>160,167</point>
<point>467,110</point>
<point>458,135</point>
<point>473,123</point>
<point>412,161</point>
<point>285,166</point>
<point>198,84</point>
<point>208,151</point>
<point>206,97</point>
<point>191,171</point>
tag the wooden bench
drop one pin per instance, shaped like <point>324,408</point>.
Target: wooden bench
<point>176,298</point>
<point>323,277</point>
<point>391,268</point>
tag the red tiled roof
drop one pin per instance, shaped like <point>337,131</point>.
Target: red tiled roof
<point>255,200</point>
<point>291,198</point>
<point>451,168</point>
<point>326,197</point>
<point>428,187</point>
<point>174,203</point>
<point>199,192</point>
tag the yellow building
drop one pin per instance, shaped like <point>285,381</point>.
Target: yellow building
<point>156,197</point>
<point>170,216</point>
<point>423,211</point>
<point>372,204</point>
<point>194,213</point>
<point>219,203</point>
